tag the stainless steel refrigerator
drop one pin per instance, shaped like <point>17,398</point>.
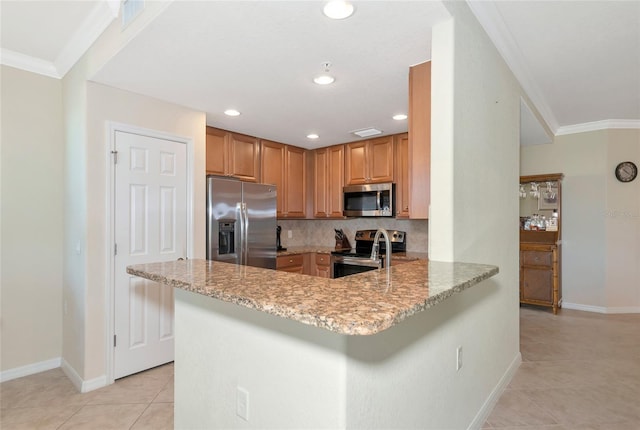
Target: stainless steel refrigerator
<point>241,222</point>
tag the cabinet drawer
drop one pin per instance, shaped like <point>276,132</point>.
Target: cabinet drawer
<point>289,261</point>
<point>322,259</point>
<point>537,258</point>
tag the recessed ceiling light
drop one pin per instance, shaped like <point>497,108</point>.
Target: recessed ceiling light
<point>400,117</point>
<point>312,136</point>
<point>338,9</point>
<point>231,112</point>
<point>324,79</point>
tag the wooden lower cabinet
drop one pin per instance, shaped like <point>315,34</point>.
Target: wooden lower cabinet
<point>322,265</point>
<point>540,275</point>
<point>309,263</point>
<point>291,263</point>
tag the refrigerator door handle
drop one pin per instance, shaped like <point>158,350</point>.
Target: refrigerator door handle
<point>245,235</point>
<point>241,232</point>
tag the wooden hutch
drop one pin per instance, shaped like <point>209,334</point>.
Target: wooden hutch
<point>540,256</point>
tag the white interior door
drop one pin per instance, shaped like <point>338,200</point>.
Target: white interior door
<point>150,226</point>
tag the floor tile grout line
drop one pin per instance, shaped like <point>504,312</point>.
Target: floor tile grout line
<point>71,416</point>
<point>139,416</point>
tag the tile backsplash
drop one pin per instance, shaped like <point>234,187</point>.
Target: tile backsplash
<point>321,232</point>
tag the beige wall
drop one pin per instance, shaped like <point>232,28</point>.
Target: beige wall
<point>109,104</point>
<point>474,180</point>
<point>88,107</point>
<point>85,326</point>
<point>600,217</point>
<point>32,219</point>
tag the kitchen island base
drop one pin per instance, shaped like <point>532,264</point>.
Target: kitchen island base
<point>300,376</point>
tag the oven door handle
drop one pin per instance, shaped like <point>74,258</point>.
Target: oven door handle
<point>359,261</point>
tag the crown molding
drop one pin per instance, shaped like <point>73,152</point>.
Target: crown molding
<point>599,125</point>
<point>89,31</point>
<point>491,20</point>
<point>28,63</point>
<point>91,28</point>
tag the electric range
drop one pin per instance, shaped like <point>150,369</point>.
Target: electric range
<point>358,260</point>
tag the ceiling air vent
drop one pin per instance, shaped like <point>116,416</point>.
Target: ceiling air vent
<point>130,10</point>
<point>366,132</point>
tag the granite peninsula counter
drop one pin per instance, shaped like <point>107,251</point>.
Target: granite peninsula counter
<point>302,360</point>
<point>361,304</point>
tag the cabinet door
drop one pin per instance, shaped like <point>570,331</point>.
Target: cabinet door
<point>244,157</point>
<point>295,182</point>
<point>402,176</point>
<point>321,183</point>
<point>356,163</point>
<point>420,139</point>
<point>380,159</point>
<point>272,168</point>
<point>335,181</point>
<point>322,265</point>
<point>217,151</point>
<point>537,285</point>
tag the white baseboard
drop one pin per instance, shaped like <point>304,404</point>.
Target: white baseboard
<point>80,384</point>
<point>602,309</point>
<point>29,369</point>
<point>493,398</point>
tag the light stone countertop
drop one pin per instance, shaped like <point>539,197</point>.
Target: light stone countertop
<point>361,304</point>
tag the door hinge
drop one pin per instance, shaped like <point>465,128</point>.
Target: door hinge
<point>114,340</point>
<point>115,157</point>
<point>115,249</point>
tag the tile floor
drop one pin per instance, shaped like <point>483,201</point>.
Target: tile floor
<point>48,400</point>
<point>580,371</point>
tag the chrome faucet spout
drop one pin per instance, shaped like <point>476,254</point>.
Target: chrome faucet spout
<point>376,247</point>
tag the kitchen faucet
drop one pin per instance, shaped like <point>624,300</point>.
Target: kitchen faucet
<point>387,244</point>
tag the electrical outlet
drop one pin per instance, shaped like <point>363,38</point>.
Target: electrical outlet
<point>289,234</point>
<point>242,403</point>
<point>459,358</point>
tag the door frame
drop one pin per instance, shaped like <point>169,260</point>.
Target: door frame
<point>112,128</point>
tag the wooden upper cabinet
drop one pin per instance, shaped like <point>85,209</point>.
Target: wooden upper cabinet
<point>335,175</point>
<point>328,181</point>
<point>217,148</point>
<point>419,155</point>
<point>232,154</point>
<point>244,159</point>
<point>380,159</point>
<point>272,168</point>
<point>356,169</point>
<point>295,182</point>
<point>284,166</point>
<point>402,175</point>
<point>320,182</point>
<point>369,161</point>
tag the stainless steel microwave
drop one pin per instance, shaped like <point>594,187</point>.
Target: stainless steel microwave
<point>369,199</point>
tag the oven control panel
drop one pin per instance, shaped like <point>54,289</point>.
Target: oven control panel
<point>369,235</point>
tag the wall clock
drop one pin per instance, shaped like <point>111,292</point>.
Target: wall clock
<point>626,171</point>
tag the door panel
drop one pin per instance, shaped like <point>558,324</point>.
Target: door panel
<point>151,217</point>
<point>261,207</point>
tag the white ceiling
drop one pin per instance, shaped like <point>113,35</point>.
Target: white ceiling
<point>578,61</point>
